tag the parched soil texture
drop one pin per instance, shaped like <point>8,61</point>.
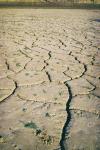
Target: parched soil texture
<point>49,79</point>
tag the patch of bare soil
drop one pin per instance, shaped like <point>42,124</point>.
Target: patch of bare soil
<point>49,79</point>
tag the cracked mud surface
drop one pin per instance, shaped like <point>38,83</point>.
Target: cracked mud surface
<point>49,79</point>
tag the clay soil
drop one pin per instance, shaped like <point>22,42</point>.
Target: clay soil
<point>49,79</point>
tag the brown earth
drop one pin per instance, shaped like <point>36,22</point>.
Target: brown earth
<point>49,79</point>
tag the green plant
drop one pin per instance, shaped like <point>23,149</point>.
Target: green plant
<point>38,131</point>
<point>47,114</point>
<point>18,64</point>
<point>24,109</point>
<point>30,125</point>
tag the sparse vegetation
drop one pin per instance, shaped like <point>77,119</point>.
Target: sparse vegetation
<point>47,139</point>
<point>24,109</point>
<point>27,74</point>
<point>30,125</point>
<point>38,131</point>
<point>60,93</point>
<point>18,64</point>
<point>55,98</point>
<point>34,94</point>
<point>47,114</point>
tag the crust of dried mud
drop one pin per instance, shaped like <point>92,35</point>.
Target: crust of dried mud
<point>49,79</point>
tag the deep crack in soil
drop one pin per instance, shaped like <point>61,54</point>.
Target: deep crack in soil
<point>65,130</point>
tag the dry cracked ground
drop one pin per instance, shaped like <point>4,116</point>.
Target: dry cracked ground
<point>49,79</point>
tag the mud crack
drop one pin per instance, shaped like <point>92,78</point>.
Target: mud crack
<point>48,75</point>
<point>12,93</point>
<point>46,64</point>
<point>65,130</point>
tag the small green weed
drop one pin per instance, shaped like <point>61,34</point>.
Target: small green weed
<point>30,125</point>
<point>18,64</point>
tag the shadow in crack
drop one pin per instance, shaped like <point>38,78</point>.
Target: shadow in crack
<point>66,127</point>
<point>97,20</point>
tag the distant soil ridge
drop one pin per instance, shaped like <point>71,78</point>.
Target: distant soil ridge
<point>52,3</point>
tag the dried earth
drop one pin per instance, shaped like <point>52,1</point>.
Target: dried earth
<point>49,79</point>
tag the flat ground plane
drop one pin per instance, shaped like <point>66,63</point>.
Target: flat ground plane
<point>49,79</point>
